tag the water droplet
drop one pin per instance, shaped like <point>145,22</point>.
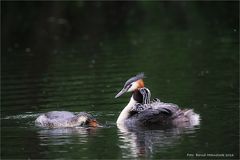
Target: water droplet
<point>61,21</point>
<point>28,50</point>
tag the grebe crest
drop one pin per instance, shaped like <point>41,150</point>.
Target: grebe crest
<point>132,84</point>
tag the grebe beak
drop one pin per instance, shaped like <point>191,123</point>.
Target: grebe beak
<point>124,90</point>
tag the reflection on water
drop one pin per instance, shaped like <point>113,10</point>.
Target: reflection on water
<point>137,142</point>
<point>63,136</point>
<point>67,131</point>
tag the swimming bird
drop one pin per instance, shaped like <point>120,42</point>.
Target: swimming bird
<point>142,111</point>
<point>63,119</point>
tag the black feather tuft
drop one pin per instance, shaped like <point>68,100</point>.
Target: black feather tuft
<point>135,78</point>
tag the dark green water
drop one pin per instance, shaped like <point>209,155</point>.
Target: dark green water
<point>77,56</point>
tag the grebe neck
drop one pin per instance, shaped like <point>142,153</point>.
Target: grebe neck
<point>126,111</point>
<point>136,98</point>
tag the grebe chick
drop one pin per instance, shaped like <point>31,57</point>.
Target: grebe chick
<point>63,119</point>
<point>141,111</point>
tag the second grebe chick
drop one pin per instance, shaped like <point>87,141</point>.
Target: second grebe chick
<point>63,119</point>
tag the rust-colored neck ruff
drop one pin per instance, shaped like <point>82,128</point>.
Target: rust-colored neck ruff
<point>140,83</point>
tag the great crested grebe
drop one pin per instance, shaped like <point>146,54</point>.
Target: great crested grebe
<point>63,119</point>
<point>141,111</point>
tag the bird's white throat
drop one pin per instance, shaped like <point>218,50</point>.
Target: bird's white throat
<point>126,111</point>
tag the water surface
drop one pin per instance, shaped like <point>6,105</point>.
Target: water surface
<point>190,64</point>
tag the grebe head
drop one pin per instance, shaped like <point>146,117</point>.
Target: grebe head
<point>132,84</point>
<point>87,119</point>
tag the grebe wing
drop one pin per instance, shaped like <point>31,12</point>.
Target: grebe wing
<point>59,115</point>
<point>167,108</point>
<point>170,107</point>
<point>154,112</point>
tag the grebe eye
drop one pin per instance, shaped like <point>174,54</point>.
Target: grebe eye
<point>129,86</point>
<point>87,122</point>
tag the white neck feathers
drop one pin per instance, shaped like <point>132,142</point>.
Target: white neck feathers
<point>125,112</point>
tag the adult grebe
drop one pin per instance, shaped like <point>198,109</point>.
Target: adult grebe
<point>62,119</point>
<point>141,111</point>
